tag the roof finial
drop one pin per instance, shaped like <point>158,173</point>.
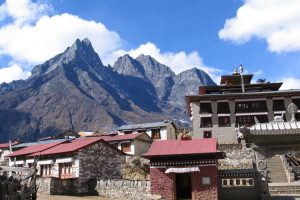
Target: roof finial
<point>235,71</point>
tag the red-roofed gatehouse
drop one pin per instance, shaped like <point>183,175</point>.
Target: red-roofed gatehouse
<point>184,169</point>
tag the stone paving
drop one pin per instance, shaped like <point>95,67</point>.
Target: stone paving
<point>285,197</point>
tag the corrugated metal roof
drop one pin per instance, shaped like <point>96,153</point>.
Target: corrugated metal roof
<point>22,145</point>
<point>68,146</point>
<point>6,145</point>
<point>34,149</point>
<point>144,125</point>
<point>182,147</point>
<point>123,137</point>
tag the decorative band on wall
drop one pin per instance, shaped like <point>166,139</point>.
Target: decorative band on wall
<point>179,170</point>
<point>172,163</point>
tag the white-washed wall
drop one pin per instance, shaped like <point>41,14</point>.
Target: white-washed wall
<point>163,133</point>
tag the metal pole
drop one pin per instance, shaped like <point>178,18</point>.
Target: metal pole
<point>242,78</point>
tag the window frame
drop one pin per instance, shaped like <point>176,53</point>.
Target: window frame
<point>224,124</point>
<point>126,148</point>
<point>206,124</point>
<point>155,134</point>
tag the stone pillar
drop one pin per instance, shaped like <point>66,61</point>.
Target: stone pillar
<point>232,112</point>
<point>270,109</point>
<point>287,102</point>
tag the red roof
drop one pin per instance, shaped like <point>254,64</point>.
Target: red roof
<point>182,147</point>
<point>34,149</point>
<point>69,146</point>
<point>6,145</point>
<point>121,137</point>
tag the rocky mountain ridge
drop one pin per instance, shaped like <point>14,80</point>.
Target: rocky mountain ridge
<point>75,91</point>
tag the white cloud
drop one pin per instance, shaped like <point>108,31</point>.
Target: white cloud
<point>276,21</point>
<point>290,83</point>
<point>14,72</point>
<point>22,10</point>
<point>51,35</point>
<point>33,36</point>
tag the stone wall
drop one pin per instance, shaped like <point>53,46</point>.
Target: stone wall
<point>162,184</point>
<point>57,186</point>
<point>205,192</point>
<point>236,157</point>
<point>96,162</point>
<point>114,189</point>
<point>123,189</point>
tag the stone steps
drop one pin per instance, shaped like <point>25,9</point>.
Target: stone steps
<point>276,171</point>
<point>284,188</point>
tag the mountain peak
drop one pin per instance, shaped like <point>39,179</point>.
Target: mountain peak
<point>126,65</point>
<point>81,46</point>
<point>81,52</point>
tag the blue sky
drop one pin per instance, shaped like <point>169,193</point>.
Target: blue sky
<point>213,35</point>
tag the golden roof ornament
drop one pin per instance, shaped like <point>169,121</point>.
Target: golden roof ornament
<point>235,71</point>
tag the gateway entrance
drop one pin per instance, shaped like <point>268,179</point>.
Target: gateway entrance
<point>184,186</point>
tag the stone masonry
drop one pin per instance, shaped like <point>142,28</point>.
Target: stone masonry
<point>123,189</point>
<point>98,161</point>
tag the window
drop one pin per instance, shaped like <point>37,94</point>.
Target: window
<point>206,180</point>
<point>224,182</point>
<point>250,182</point>
<point>262,118</point>
<point>127,132</point>
<point>238,182</point>
<point>278,105</point>
<point>297,102</point>
<point>65,170</point>
<point>126,147</point>
<point>297,116</point>
<point>223,107</point>
<point>245,121</point>
<point>224,121</point>
<point>155,134</point>
<point>141,131</point>
<point>207,134</point>
<point>206,122</point>
<point>46,170</point>
<point>205,108</point>
<point>30,165</point>
<point>251,106</point>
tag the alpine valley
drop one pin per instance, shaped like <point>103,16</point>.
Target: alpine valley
<point>75,91</point>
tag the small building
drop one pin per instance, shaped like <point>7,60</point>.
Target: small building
<point>165,130</point>
<point>132,144</point>
<point>71,166</point>
<point>66,135</point>
<point>184,169</point>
